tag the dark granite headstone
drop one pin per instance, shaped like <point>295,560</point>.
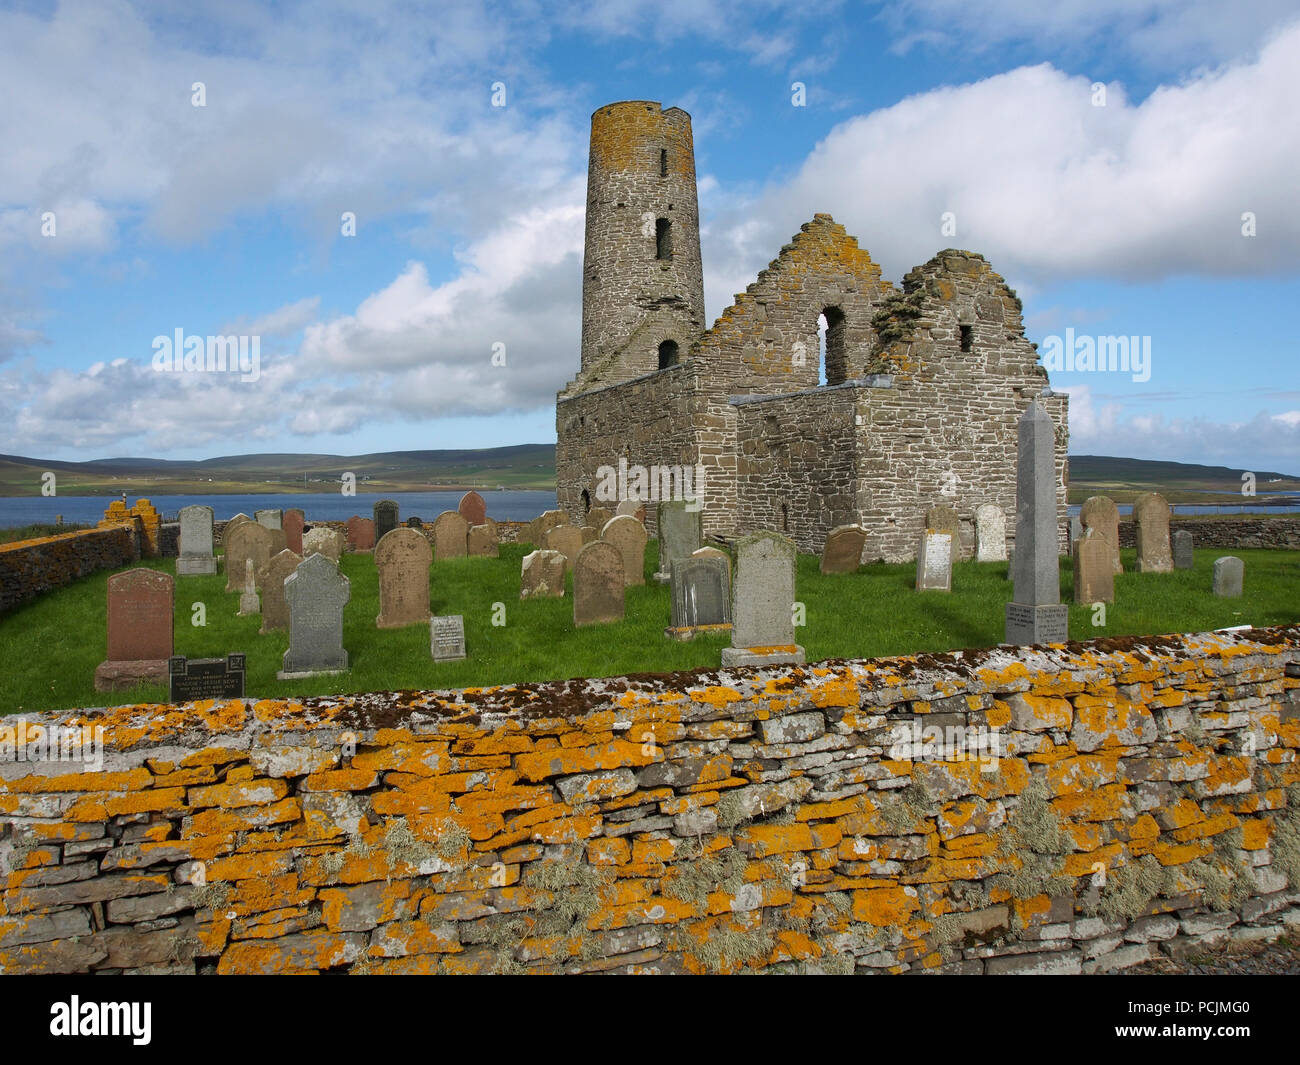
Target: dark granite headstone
<point>701,589</point>
<point>386,511</point>
<point>206,678</point>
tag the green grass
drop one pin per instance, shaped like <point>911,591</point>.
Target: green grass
<point>54,643</point>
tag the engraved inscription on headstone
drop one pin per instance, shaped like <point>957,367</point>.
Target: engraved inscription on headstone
<point>447,637</point>
<point>206,678</point>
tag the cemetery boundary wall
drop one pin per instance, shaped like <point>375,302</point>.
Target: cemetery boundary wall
<point>30,567</point>
<point>1263,532</point>
<point>1143,794</point>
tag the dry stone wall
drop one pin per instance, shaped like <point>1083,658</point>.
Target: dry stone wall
<point>29,568</point>
<point>1263,532</point>
<point>1142,794</point>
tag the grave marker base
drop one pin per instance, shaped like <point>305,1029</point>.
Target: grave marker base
<point>689,632</point>
<point>1049,623</point>
<point>115,676</point>
<point>790,655</point>
<point>195,567</point>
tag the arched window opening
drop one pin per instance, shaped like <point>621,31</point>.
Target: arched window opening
<point>586,502</point>
<point>667,354</point>
<point>832,347</point>
<point>663,239</point>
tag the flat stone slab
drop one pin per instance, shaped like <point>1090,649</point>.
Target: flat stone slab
<point>689,632</point>
<point>793,655</point>
<point>116,676</point>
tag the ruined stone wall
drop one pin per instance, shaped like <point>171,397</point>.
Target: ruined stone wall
<point>796,468</point>
<point>29,568</point>
<point>1268,532</point>
<point>1145,796</point>
<point>651,421</point>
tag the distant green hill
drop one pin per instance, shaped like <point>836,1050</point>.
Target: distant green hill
<point>1179,482</point>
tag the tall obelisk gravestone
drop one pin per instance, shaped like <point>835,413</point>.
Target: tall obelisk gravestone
<point>1036,613</point>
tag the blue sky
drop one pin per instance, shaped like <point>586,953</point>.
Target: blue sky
<point>1122,216</point>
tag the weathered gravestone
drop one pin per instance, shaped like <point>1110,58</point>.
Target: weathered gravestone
<point>234,523</point>
<point>597,585</point>
<point>1101,514</point>
<point>565,539</point>
<point>323,541</point>
<point>450,536</point>
<point>473,508</point>
<point>681,532</point>
<point>1036,613</point>
<point>317,593</point>
<point>447,637</point>
<point>272,518</point>
<point>206,678</point>
<point>1183,557</point>
<point>1151,513</point>
<point>629,536</point>
<point>196,557</point>
<point>632,509</point>
<point>542,575</point>
<point>701,595</point>
<point>934,562</point>
<point>403,558</point>
<point>361,533</point>
<point>292,523</point>
<point>385,517</point>
<point>942,517</point>
<point>762,603</point>
<point>248,601</point>
<point>279,542</point>
<point>589,533</point>
<point>249,542</point>
<point>482,541</point>
<point>843,550</point>
<point>139,630</point>
<point>1229,574</point>
<point>1094,573</point>
<point>543,523</point>
<point>597,517</point>
<point>414,523</point>
<point>275,608</point>
<point>990,533</point>
<point>1076,531</point>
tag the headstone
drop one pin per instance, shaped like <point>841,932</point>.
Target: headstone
<point>629,536</point>
<point>279,542</point>
<point>235,522</point>
<point>361,533</point>
<point>565,539</point>
<point>701,594</point>
<point>196,557</point>
<point>403,558</point>
<point>1094,574</point>
<point>385,517</point>
<point>414,523</point>
<point>990,533</point>
<point>206,678</point>
<point>323,540</point>
<point>482,542</point>
<point>1151,513</point>
<point>942,517</point>
<point>272,518</point>
<point>248,601</point>
<point>1182,541</point>
<point>714,552</point>
<point>544,522</point>
<point>681,532</point>
<point>275,609</point>
<point>762,603</point>
<point>598,516</point>
<point>472,508</point>
<point>1100,513</point>
<point>597,585</point>
<point>249,542</point>
<point>842,552</point>
<point>317,593</point>
<point>1229,572</point>
<point>542,575</point>
<point>631,508</point>
<point>1076,531</point>
<point>292,523</point>
<point>589,533</point>
<point>447,637</point>
<point>139,630</point>
<point>450,536</point>
<point>1036,613</point>
<point>934,562</point>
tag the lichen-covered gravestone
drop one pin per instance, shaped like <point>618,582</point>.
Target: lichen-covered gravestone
<point>762,603</point>
<point>681,533</point>
<point>1229,574</point>
<point>248,601</point>
<point>292,523</point>
<point>565,539</point>
<point>629,536</point>
<point>1182,541</point>
<point>934,561</point>
<point>139,630</point>
<point>360,533</point>
<point>403,558</point>
<point>323,541</point>
<point>1101,514</point>
<point>942,517</point>
<point>250,541</point>
<point>598,585</point>
<point>990,533</point>
<point>272,518</point>
<point>473,508</point>
<point>542,575</point>
<point>1036,613</point>
<point>1151,513</point>
<point>842,552</point>
<point>482,541</point>
<point>597,517</point>
<point>450,536</point>
<point>317,593</point>
<point>631,508</point>
<point>196,557</point>
<point>544,522</point>
<point>386,518</point>
<point>275,608</point>
<point>1094,577</point>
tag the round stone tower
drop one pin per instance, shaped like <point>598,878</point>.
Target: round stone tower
<point>642,283</point>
